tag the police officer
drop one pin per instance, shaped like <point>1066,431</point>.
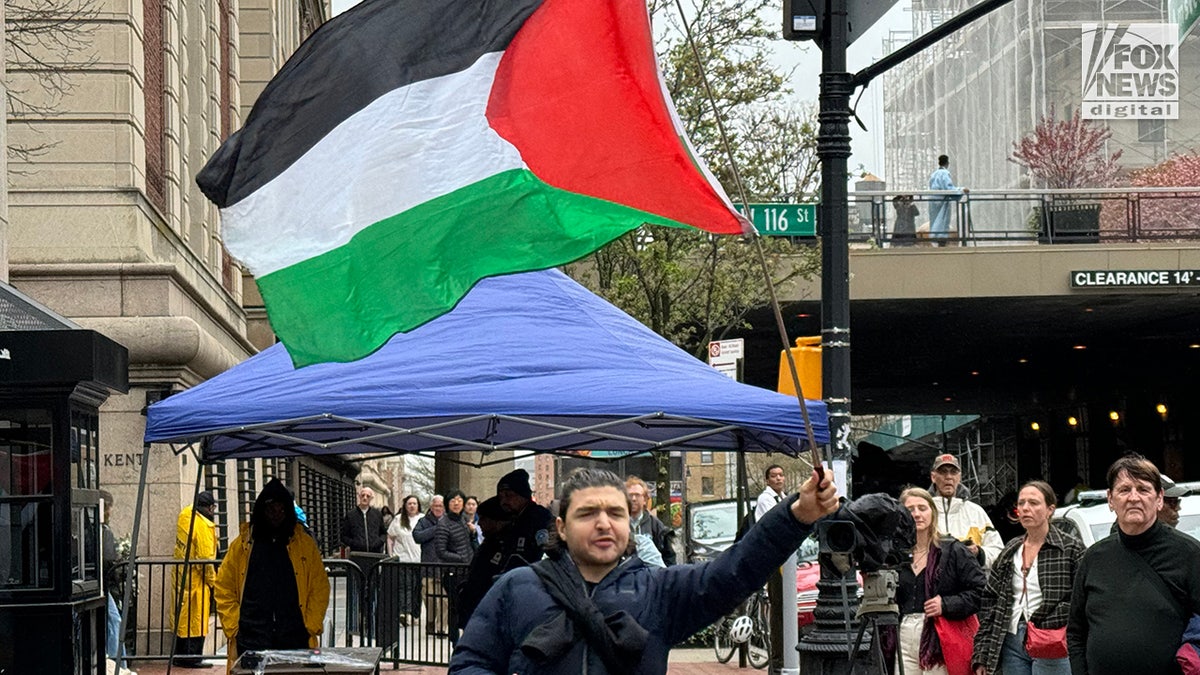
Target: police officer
<point>531,522</point>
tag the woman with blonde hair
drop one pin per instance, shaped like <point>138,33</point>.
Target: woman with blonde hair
<point>941,585</point>
<point>1027,601</point>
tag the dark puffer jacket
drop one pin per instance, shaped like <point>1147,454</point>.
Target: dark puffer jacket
<point>453,540</point>
<point>423,534</point>
<point>670,603</point>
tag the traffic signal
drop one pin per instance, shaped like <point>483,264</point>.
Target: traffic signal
<point>807,355</point>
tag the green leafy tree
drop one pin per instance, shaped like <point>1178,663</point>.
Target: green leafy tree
<point>687,285</point>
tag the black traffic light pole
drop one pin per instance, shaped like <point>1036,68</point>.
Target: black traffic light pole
<point>826,649</point>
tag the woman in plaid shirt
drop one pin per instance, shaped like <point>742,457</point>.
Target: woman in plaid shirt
<point>1030,581</point>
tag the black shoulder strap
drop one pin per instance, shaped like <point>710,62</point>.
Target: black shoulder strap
<point>1156,580</point>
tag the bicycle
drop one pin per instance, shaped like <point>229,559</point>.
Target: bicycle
<point>758,648</point>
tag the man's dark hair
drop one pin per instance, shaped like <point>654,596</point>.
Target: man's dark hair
<point>581,479</point>
<point>454,492</point>
<point>1044,488</point>
<point>767,473</point>
<point>943,160</point>
<point>1138,468</point>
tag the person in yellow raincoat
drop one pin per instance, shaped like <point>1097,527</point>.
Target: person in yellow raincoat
<point>272,589</point>
<point>192,626</point>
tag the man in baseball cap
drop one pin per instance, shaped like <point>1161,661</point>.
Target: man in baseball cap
<point>964,520</point>
<point>1172,500</point>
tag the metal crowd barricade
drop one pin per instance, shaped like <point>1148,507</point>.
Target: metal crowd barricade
<point>346,618</point>
<point>152,617</point>
<point>407,609</point>
<point>415,610</point>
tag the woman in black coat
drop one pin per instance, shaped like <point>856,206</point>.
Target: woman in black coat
<point>452,540</point>
<point>943,580</point>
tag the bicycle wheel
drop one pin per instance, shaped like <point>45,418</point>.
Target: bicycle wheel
<point>759,647</point>
<point>722,643</point>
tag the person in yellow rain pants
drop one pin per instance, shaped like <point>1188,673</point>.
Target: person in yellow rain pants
<point>197,579</point>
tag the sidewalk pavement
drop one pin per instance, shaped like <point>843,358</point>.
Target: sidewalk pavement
<point>682,662</point>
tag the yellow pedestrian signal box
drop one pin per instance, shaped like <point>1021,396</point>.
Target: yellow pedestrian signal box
<point>807,355</point>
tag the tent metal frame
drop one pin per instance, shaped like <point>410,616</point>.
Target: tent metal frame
<point>372,438</point>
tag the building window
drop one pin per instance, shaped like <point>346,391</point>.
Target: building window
<point>154,93</point>
<point>1151,131</point>
<point>246,488</point>
<point>706,457</point>
<point>706,486</point>
<point>214,482</point>
<point>325,500</point>
<point>85,452</point>
<point>26,498</point>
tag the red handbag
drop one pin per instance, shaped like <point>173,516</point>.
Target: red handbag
<point>1045,643</point>
<point>958,642</point>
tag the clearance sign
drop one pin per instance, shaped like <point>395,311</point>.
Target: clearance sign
<point>1130,71</point>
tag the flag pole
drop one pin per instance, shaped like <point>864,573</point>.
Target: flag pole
<point>813,448</point>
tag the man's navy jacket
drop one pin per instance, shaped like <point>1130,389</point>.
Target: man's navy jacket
<point>670,603</point>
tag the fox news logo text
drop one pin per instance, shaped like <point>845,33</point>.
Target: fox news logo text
<point>1130,71</point>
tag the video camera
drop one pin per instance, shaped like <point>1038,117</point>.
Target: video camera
<point>876,532</point>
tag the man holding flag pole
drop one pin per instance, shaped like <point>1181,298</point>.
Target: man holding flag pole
<point>408,150</point>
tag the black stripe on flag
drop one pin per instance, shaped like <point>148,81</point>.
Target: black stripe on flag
<point>351,60</point>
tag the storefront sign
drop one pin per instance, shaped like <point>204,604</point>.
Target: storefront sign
<point>1131,71</point>
<point>1135,278</point>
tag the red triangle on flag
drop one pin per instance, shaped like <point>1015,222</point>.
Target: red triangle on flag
<point>578,93</point>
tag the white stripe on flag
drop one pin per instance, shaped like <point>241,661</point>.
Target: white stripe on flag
<point>408,146</point>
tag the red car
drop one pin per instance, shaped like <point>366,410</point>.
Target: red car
<point>808,573</point>
<point>710,529</point>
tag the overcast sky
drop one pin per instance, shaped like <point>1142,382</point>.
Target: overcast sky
<point>867,146</point>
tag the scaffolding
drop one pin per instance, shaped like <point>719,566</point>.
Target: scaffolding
<point>976,92</point>
<point>989,463</point>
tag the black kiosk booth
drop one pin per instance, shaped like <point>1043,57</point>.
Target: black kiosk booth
<point>54,376</point>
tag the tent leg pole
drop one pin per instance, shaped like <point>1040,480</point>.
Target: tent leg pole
<point>131,569</point>
<point>187,565</point>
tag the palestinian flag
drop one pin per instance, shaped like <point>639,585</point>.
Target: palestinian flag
<point>410,148</point>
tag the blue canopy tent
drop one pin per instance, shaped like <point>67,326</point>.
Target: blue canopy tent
<point>525,362</point>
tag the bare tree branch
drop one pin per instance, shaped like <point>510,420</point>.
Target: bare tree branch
<point>46,43</point>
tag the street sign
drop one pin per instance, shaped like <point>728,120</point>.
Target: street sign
<point>805,19</point>
<point>722,351</point>
<point>724,356</point>
<point>1134,278</point>
<point>784,220</point>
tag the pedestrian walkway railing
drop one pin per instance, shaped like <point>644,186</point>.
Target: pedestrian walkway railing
<point>405,608</point>
<point>1028,217</point>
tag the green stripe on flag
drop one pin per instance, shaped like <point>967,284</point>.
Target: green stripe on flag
<point>344,304</point>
